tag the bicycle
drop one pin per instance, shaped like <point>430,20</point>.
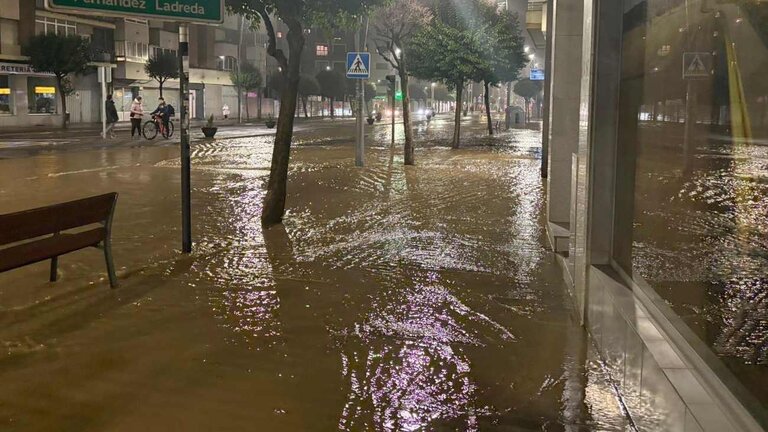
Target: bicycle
<point>153,127</point>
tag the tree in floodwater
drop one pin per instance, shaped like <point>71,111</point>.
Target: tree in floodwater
<point>394,27</point>
<point>503,45</point>
<point>449,50</point>
<point>297,15</point>
<point>308,86</point>
<point>246,78</point>
<point>62,56</point>
<point>527,89</point>
<point>333,86</point>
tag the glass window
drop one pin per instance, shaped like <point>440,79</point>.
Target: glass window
<point>45,25</point>
<point>694,122</point>
<point>321,50</point>
<point>6,107</point>
<point>132,50</point>
<point>156,51</point>
<point>42,95</point>
<point>227,63</point>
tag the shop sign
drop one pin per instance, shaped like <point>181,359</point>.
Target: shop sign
<point>45,90</point>
<point>207,11</point>
<point>537,75</point>
<point>5,91</point>
<point>20,69</point>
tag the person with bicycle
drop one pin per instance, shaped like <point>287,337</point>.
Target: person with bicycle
<point>162,112</point>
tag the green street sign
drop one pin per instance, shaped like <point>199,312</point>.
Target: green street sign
<point>398,96</point>
<point>206,11</point>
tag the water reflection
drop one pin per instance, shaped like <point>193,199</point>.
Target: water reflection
<point>701,218</point>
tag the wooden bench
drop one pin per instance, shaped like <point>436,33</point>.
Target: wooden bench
<point>44,233</point>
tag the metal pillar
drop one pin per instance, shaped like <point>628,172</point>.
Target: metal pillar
<point>103,80</point>
<point>359,131</point>
<point>394,91</point>
<point>186,193</point>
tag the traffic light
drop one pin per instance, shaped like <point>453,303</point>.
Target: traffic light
<point>392,81</point>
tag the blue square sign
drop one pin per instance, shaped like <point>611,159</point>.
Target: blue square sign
<point>358,65</point>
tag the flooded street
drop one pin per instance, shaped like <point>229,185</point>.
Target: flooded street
<point>393,299</point>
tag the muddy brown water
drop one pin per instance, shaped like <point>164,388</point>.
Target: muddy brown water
<point>419,298</point>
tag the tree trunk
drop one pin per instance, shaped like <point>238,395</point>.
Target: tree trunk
<point>304,104</point>
<point>332,102</point>
<point>59,84</point>
<point>247,108</point>
<point>487,99</point>
<point>408,148</point>
<point>274,201</point>
<point>457,117</point>
<point>161,88</point>
<point>260,101</point>
<point>239,105</point>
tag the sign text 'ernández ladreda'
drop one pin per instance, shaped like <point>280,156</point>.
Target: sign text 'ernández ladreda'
<point>172,10</point>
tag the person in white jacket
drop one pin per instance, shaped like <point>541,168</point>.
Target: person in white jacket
<point>137,111</point>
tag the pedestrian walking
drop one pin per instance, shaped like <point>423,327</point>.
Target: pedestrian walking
<point>112,118</point>
<point>137,112</point>
<point>225,111</point>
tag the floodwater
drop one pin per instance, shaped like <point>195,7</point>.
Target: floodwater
<point>701,240</point>
<point>393,299</point>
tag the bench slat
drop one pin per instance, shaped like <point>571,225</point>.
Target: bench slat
<point>41,221</point>
<point>49,247</point>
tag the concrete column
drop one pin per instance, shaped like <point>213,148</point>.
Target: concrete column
<point>549,18</point>
<point>597,142</point>
<point>564,99</point>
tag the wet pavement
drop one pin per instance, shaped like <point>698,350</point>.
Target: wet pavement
<point>418,298</point>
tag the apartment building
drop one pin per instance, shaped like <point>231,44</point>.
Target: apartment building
<point>29,98</point>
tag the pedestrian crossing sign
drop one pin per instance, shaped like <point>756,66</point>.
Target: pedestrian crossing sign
<point>697,65</point>
<point>358,65</point>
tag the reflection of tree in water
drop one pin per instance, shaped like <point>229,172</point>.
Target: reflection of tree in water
<point>246,299</point>
<point>404,365</point>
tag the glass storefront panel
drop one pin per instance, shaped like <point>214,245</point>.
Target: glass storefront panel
<point>694,122</point>
<point>6,107</point>
<point>43,97</point>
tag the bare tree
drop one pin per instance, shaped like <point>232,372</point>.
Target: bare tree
<point>394,26</point>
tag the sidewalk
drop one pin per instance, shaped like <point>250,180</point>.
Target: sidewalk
<point>94,129</point>
<point>24,142</point>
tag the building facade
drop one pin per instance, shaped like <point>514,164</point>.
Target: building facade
<point>29,98</point>
<point>655,164</point>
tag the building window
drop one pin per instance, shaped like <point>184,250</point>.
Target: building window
<point>322,65</point>
<point>132,50</point>
<point>339,49</point>
<point>321,50</point>
<point>42,95</point>
<point>5,95</point>
<point>137,21</point>
<point>227,63</point>
<point>45,25</point>
<point>156,51</point>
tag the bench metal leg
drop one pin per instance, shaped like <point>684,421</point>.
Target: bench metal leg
<point>54,269</point>
<point>110,264</point>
